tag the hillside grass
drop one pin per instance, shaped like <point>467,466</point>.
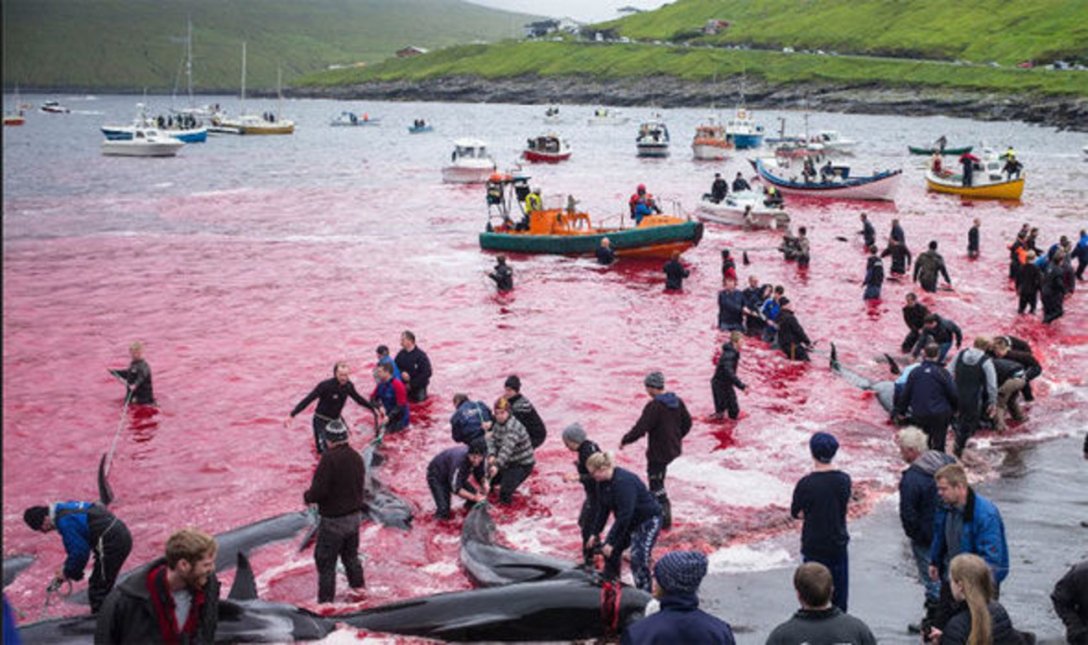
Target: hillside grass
<point>605,61</point>
<point>136,44</point>
<point>975,30</point>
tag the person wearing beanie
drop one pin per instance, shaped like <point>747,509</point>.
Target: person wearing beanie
<point>574,438</point>
<point>331,395</point>
<point>792,339</point>
<point>524,411</point>
<point>337,490</point>
<point>458,471</point>
<point>510,451</point>
<point>928,266</point>
<point>85,528</point>
<point>725,378</point>
<point>665,421</point>
<point>819,620</point>
<point>677,576</point>
<point>820,500</point>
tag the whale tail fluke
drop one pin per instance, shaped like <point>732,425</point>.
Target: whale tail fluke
<point>245,585</point>
<point>834,357</point>
<point>892,365</point>
<point>105,493</point>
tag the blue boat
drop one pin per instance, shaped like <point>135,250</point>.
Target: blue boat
<point>743,131</point>
<point>420,129</point>
<point>198,134</point>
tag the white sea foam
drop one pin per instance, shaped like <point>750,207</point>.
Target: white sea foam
<point>747,557</point>
<point>735,487</point>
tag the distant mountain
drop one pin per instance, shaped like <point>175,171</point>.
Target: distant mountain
<point>138,44</point>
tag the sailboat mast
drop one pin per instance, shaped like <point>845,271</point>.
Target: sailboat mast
<point>279,92</point>
<point>189,61</point>
<point>243,77</point>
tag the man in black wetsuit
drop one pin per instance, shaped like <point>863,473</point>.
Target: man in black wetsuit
<point>415,367</point>
<point>719,189</point>
<point>137,377</point>
<point>503,275</point>
<point>331,395</point>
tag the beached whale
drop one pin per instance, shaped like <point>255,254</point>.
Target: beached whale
<point>489,564</point>
<point>884,390</point>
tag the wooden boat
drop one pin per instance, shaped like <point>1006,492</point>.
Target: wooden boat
<point>547,148</point>
<point>952,184</point>
<point>560,229</point>
<point>710,141</point>
<point>144,143</point>
<point>746,208</point>
<point>880,186</point>
<point>653,138</point>
<point>947,151</point>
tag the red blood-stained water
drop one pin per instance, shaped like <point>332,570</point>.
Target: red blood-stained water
<point>248,266</point>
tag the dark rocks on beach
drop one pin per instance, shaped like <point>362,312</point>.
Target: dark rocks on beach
<point>1064,113</point>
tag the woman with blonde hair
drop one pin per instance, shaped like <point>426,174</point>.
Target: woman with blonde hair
<point>978,619</point>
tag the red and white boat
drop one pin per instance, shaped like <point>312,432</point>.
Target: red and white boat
<point>710,142</point>
<point>547,148</point>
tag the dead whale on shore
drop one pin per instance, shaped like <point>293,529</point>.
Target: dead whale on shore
<point>884,390</point>
<point>489,564</point>
<point>14,565</point>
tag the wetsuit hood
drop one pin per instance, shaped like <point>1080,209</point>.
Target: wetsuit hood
<point>669,399</point>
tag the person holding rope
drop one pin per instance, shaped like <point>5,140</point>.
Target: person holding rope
<point>85,527</point>
<point>331,394</point>
<point>137,377</point>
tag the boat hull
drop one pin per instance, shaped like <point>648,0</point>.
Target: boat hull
<point>1008,190</point>
<point>653,150</point>
<point>420,130</point>
<point>535,156</point>
<point>710,151</point>
<point>644,242</point>
<point>122,133</point>
<point>607,120</point>
<point>141,149</point>
<point>745,141</point>
<point>466,175</point>
<point>731,212</point>
<point>14,120</point>
<point>947,151</point>
<point>879,187</point>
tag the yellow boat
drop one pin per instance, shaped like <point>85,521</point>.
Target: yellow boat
<point>953,185</point>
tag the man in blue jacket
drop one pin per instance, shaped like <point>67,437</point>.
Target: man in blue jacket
<point>85,527</point>
<point>731,308</point>
<point>470,419</point>
<point>931,397</point>
<point>677,577</point>
<point>966,523</point>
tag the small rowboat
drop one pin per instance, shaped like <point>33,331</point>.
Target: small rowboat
<point>952,184</point>
<point>880,186</point>
<point>947,151</point>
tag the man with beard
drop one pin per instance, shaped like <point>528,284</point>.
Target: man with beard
<point>331,394</point>
<point>176,600</point>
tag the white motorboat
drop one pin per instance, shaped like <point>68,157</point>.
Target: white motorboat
<point>831,141</point>
<point>607,116</point>
<point>52,107</point>
<point>747,208</point>
<point>653,138</point>
<point>144,143</point>
<point>177,129</point>
<point>710,142</point>
<point>471,163</point>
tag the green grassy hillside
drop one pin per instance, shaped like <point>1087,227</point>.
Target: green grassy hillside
<point>134,44</point>
<point>511,59</point>
<point>976,30</point>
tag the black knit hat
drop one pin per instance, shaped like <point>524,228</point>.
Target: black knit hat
<point>35,517</point>
<point>478,447</point>
<point>513,382</point>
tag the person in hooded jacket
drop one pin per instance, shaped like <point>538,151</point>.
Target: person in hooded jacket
<point>931,397</point>
<point>665,421</point>
<point>928,266</point>
<point>470,420</point>
<point>977,617</point>
<point>503,275</point>
<point>918,506</point>
<point>524,411</point>
<point>976,386</point>
<point>677,576</point>
<point>725,378</point>
<point>940,331</point>
<point>900,254</point>
<point>574,438</point>
<point>792,339</point>
<point>511,458</point>
<point>874,276</point>
<point>1070,598</point>
<point>636,524</point>
<point>914,314</point>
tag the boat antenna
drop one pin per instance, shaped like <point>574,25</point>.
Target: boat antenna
<point>189,61</point>
<point>243,77</point>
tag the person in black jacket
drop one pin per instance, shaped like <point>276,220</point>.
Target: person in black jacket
<point>931,396</point>
<point>131,614</point>
<point>918,505</point>
<point>820,499</point>
<point>637,520</point>
<point>725,378</point>
<point>137,377</point>
<point>940,331</point>
<point>574,438</point>
<point>1018,349</point>
<point>754,296</point>
<point>1029,280</point>
<point>675,273</point>
<point>978,617</point>
<point>331,395</point>
<point>337,490</point>
<point>719,189</point>
<point>666,421</point>
<point>867,231</point>
<point>792,339</point>
<point>503,275</point>
<point>900,254</point>
<point>739,184</point>
<point>874,276</point>
<point>524,411</point>
<point>1070,598</point>
<point>914,314</point>
<point>415,367</point>
<point>1053,289</point>
<point>605,254</point>
<point>972,239</point>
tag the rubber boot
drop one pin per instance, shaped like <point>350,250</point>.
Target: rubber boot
<point>666,512</point>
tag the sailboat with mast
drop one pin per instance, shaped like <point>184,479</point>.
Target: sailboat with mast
<point>16,115</point>
<point>245,123</point>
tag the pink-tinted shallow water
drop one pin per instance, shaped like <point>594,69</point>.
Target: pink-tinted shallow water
<point>249,266</point>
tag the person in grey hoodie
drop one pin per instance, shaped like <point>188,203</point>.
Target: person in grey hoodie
<point>976,383</point>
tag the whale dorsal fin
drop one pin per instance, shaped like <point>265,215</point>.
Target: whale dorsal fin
<point>245,586</point>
